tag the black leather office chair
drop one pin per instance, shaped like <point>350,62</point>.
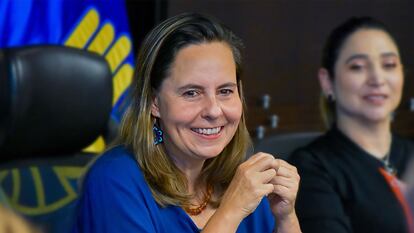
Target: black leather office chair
<point>282,145</point>
<point>54,101</point>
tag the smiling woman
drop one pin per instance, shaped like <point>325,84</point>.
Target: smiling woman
<point>180,164</point>
<point>198,105</point>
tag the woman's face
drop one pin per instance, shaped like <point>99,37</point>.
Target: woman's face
<point>198,104</point>
<point>368,77</point>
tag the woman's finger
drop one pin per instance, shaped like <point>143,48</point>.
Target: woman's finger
<point>287,165</point>
<point>284,192</point>
<point>287,172</point>
<point>287,182</point>
<point>261,162</point>
<point>267,176</point>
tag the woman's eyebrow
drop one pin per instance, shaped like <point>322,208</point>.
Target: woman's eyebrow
<point>356,56</point>
<point>229,84</point>
<point>389,54</point>
<point>189,86</point>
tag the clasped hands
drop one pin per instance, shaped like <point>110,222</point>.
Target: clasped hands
<point>263,175</point>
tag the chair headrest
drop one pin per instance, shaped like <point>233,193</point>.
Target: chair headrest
<point>52,99</point>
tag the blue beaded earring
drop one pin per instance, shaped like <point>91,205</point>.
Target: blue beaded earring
<point>158,134</point>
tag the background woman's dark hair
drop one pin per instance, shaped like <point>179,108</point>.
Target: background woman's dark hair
<point>338,36</point>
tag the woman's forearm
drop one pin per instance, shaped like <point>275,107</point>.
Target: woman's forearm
<point>223,221</point>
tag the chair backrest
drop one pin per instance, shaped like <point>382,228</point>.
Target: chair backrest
<point>53,98</point>
<point>54,101</point>
<point>282,145</point>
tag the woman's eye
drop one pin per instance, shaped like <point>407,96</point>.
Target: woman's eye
<point>389,66</point>
<point>356,67</point>
<point>226,92</point>
<point>190,93</point>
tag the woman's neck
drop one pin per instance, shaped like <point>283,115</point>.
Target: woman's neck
<point>373,137</point>
<point>192,174</point>
<point>191,170</point>
<point>190,166</point>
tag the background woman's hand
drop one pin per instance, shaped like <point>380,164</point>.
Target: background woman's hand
<point>250,184</point>
<point>286,185</point>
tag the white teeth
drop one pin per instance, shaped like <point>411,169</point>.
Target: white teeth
<point>207,131</point>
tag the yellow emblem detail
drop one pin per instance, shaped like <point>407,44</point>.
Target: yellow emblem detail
<point>38,184</point>
<point>16,185</point>
<point>104,38</point>
<point>121,81</point>
<point>84,31</point>
<point>118,53</point>
<point>3,175</point>
<point>64,174</point>
<point>97,146</point>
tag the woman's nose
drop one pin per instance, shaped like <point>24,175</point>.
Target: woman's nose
<point>376,76</point>
<point>211,108</point>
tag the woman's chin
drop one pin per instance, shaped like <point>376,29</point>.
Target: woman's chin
<point>208,153</point>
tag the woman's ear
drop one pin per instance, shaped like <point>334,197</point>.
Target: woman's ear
<point>155,110</point>
<point>326,83</point>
